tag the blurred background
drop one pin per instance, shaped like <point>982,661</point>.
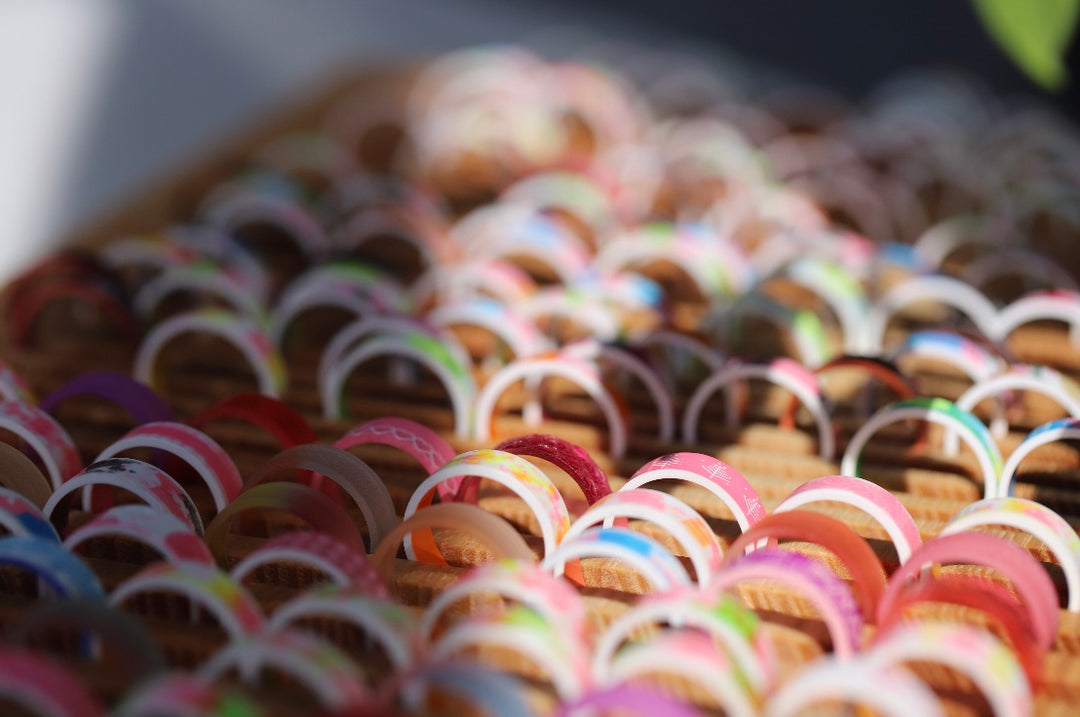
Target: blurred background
<point>99,96</point>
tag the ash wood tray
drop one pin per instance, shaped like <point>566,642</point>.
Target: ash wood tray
<point>932,487</point>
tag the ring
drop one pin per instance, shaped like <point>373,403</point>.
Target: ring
<point>498,692</point>
<point>136,398</point>
<point>46,436</point>
<point>494,532</point>
<point>19,516</point>
<point>429,449</point>
<point>243,333</point>
<point>936,410</point>
<point>65,575</point>
<point>710,473</point>
<point>805,327</point>
<point>728,624</point>
<point>207,587</point>
<point>522,630</point>
<point>783,372</point>
<point>639,700</point>
<point>1055,305</point>
<point>891,692</point>
<point>44,686</point>
<point>976,653</point>
<point>13,387</point>
<point>934,287</point>
<point>320,552</point>
<point>525,582</point>
<point>388,623</point>
<point>335,681</point>
<point>533,371</point>
<point>884,370</point>
<point>872,499</point>
<point>273,415</point>
<point>1034,519</point>
<point>149,483</point>
<point>201,452</point>
<point>657,565</point>
<point>839,290</point>
<point>316,509</point>
<point>675,517</point>
<point>1063,429</point>
<point>173,539</point>
<point>691,656</point>
<point>202,277</point>
<point>518,475</point>
<point>1030,581</point>
<point>520,335</point>
<point>352,474</point>
<point>571,458</point>
<point>1023,377</point>
<point>837,537</point>
<point>421,347</point>
<point>831,596</point>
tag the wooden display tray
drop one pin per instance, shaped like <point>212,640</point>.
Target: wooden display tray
<point>932,487</point>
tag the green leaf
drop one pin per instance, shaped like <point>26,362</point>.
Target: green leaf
<point>1034,33</point>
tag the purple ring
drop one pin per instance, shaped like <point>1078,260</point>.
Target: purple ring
<point>138,399</point>
<point>635,699</point>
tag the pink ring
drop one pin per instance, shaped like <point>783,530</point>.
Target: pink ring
<point>710,473</point>
<point>48,438</point>
<point>173,539</point>
<point>430,450</point>
<point>44,686</point>
<point>1028,578</point>
<point>190,445</point>
<point>869,497</point>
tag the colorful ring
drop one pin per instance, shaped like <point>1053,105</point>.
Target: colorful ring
<point>181,694</point>
<point>831,596</point>
<point>173,539</point>
<point>784,373</point>
<point>573,304</point>
<point>46,436</point>
<point>202,277</point>
<point>957,350</point>
<point>43,686</point>
<point>1021,377</point>
<point>20,516</point>
<point>429,351</point>
<point>665,511</point>
<point>519,334</point>
<point>807,331</point>
<point>499,693</point>
<point>209,588</point>
<point>1028,577</point>
<point>352,474</point>
<point>944,289</point>
<point>885,371</point>
<point>518,475</point>
<point>152,485</point>
<point>660,568</point>
<point>891,692</point>
<point>525,582</point>
<point>205,456</point>
<point>571,458</point>
<point>126,638</point>
<point>872,499</point>
<point>243,206</point>
<point>496,534</point>
<point>976,653</point>
<point>524,631</point>
<point>727,623</point>
<point>333,678</point>
<point>835,536</point>
<point>936,410</point>
<point>840,290</point>
<point>65,575</point>
<point>1034,519</point>
<point>624,698</point>
<point>243,333</point>
<point>533,371</point>
<point>1020,262</point>
<point>690,655</point>
<point>390,624</point>
<point>1063,429</point>
<point>320,552</point>
<point>476,277</point>
<point>710,473</point>
<point>1055,305</point>
<point>319,511</point>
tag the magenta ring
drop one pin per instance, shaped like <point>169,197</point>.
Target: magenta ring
<point>136,398</point>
